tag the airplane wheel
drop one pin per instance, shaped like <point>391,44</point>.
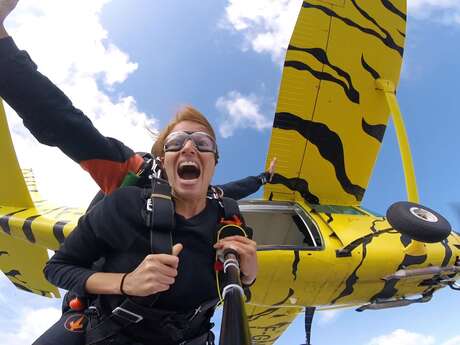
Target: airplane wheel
<point>418,222</point>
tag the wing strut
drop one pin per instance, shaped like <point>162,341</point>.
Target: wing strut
<point>388,87</point>
<point>309,312</point>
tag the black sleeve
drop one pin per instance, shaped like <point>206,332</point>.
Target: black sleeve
<point>53,120</point>
<point>106,228</point>
<point>242,188</point>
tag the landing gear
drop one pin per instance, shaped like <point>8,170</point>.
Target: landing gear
<point>418,222</point>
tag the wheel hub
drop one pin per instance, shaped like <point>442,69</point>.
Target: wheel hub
<point>423,214</point>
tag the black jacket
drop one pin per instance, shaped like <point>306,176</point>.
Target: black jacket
<point>115,229</point>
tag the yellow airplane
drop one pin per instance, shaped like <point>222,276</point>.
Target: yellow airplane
<point>317,247</point>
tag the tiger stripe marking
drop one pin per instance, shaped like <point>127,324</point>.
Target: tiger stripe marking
<point>328,143</point>
<point>392,8</point>
<point>321,56</point>
<point>58,231</point>
<point>329,85</point>
<point>389,289</point>
<point>386,39</point>
<point>375,131</point>
<point>297,185</point>
<point>4,221</point>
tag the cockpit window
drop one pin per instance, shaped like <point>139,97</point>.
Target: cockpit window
<point>280,225</point>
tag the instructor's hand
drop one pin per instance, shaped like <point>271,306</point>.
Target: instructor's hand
<point>6,6</point>
<point>155,274</point>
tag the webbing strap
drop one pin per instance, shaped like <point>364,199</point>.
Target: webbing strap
<point>160,217</point>
<point>130,312</point>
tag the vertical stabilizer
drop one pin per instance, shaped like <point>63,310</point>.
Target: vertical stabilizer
<point>13,189</point>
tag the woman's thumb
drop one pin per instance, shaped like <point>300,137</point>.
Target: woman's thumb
<point>177,248</point>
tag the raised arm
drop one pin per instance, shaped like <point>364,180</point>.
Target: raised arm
<point>240,189</point>
<point>51,117</point>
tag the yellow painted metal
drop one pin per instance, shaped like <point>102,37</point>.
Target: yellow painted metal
<point>330,119</point>
<point>388,88</point>
<point>22,262</point>
<point>269,323</point>
<point>320,278</point>
<point>13,190</point>
<point>416,248</point>
<point>28,224</point>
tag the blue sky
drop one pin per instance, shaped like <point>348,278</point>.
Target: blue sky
<point>127,63</point>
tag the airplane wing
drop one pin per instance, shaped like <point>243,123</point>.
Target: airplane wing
<point>267,324</point>
<point>330,118</point>
<point>21,260</point>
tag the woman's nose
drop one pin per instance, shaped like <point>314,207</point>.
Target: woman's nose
<point>189,146</point>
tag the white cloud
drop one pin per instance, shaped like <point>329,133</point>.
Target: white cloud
<point>328,316</point>
<point>240,112</point>
<point>267,25</point>
<point>67,41</point>
<point>29,325</point>
<point>453,341</point>
<point>402,337</point>
<point>443,11</point>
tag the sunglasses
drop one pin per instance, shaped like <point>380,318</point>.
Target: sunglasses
<point>202,141</point>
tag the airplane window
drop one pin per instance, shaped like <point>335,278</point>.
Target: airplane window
<point>373,213</point>
<point>281,226</point>
<point>337,209</point>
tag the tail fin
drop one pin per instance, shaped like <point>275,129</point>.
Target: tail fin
<point>21,260</point>
<point>13,188</point>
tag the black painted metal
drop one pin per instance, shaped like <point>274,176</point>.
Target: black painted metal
<point>235,328</point>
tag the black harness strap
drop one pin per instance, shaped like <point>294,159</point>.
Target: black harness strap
<point>160,217</point>
<point>231,209</point>
<point>130,312</point>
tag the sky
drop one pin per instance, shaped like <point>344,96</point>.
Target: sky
<point>131,64</point>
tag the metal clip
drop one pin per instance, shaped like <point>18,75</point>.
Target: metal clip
<point>149,205</point>
<point>197,311</point>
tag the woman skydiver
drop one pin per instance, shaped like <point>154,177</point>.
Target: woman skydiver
<point>185,278</point>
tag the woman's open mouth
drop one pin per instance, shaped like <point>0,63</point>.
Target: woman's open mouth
<point>188,170</point>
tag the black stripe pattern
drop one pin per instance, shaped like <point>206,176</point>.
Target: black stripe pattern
<point>328,143</point>
<point>375,131</point>
<point>386,39</point>
<point>321,56</point>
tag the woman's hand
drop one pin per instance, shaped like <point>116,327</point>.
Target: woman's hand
<point>246,249</point>
<point>6,6</point>
<point>155,274</point>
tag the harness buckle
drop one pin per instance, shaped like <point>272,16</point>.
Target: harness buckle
<point>149,205</point>
<point>127,315</point>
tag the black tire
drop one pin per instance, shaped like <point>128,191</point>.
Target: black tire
<point>418,222</point>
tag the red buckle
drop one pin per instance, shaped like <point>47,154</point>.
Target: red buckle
<point>235,221</point>
<point>218,266</point>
